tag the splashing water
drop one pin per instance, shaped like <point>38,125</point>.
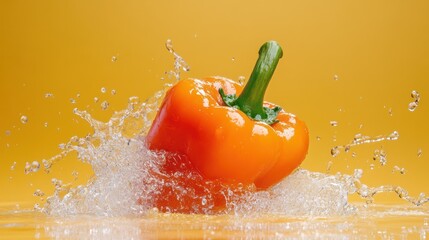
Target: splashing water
<point>128,178</point>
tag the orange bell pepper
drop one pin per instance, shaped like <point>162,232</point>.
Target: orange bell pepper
<point>227,138</point>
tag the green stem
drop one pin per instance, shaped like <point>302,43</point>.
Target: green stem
<point>251,99</point>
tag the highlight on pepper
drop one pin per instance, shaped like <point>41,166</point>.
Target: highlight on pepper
<point>229,133</point>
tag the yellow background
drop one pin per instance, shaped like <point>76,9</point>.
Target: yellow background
<point>378,49</point>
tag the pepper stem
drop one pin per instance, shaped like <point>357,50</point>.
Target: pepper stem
<point>251,99</point>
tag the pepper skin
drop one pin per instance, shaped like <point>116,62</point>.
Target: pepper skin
<point>224,143</point>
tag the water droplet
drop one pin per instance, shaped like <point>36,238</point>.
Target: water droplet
<point>46,124</point>
<point>72,100</point>
<point>113,92</point>
<point>318,138</point>
<point>37,207</point>
<point>333,123</point>
<point>416,97</point>
<point>328,167</point>
<point>381,156</point>
<point>336,77</point>
<point>412,106</point>
<point>104,105</point>
<point>393,136</point>
<point>371,166</point>
<point>13,166</point>
<point>27,168</point>
<point>46,164</point>
<point>35,166</point>
<point>24,119</point>
<point>169,45</point>
<point>38,193</point>
<point>390,112</point>
<point>103,90</point>
<point>398,169</point>
<point>347,148</point>
<point>96,99</point>
<point>335,151</point>
<point>114,58</point>
<point>49,95</point>
<point>419,152</point>
<point>203,201</point>
<point>233,59</point>
<point>358,173</point>
<point>241,80</point>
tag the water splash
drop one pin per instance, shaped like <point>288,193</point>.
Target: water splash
<point>128,177</point>
<point>362,139</point>
<point>179,62</point>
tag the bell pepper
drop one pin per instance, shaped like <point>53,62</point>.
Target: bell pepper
<point>227,132</point>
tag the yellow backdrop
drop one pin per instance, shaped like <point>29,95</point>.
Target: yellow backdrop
<point>353,62</point>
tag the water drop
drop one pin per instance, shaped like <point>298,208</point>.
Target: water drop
<point>24,119</point>
<point>419,152</point>
<point>358,173</point>
<point>72,100</point>
<point>169,45</point>
<point>371,166</point>
<point>398,169</point>
<point>415,95</point>
<point>45,124</point>
<point>412,106</point>
<point>49,95</point>
<point>13,166</point>
<point>38,193</point>
<point>318,138</point>
<point>335,151</point>
<point>393,136</point>
<point>333,123</point>
<point>35,166</point>
<point>104,105</point>
<point>233,59</point>
<point>328,167</point>
<point>103,90</point>
<point>114,58</point>
<point>203,201</point>
<point>347,148</point>
<point>27,168</point>
<point>336,77</point>
<point>47,164</point>
<point>113,92</point>
<point>96,99</point>
<point>241,80</point>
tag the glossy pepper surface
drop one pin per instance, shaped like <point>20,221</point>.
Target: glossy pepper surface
<point>228,138</point>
